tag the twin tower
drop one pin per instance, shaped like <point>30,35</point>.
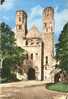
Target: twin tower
<point>39,46</point>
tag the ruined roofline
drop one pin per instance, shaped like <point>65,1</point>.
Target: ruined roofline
<point>33,32</point>
<point>22,11</point>
<point>50,8</point>
<point>32,38</point>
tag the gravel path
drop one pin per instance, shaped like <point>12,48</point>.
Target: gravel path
<point>33,92</point>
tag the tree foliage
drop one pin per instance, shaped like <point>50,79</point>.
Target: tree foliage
<point>7,41</point>
<point>2,1</point>
<point>62,49</point>
<point>10,55</point>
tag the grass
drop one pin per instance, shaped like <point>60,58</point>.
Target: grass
<point>61,87</point>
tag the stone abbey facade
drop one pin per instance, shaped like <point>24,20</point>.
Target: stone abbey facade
<point>39,47</point>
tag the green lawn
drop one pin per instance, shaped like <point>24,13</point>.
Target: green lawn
<point>61,87</point>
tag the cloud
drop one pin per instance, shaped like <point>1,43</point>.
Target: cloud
<point>36,11</point>
<point>5,19</point>
<point>14,29</point>
<point>7,5</point>
<point>61,18</point>
<point>34,17</point>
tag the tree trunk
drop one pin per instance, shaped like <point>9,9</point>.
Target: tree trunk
<point>1,63</point>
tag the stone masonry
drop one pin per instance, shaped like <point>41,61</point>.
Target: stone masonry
<point>39,49</point>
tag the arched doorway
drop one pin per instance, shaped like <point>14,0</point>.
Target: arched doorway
<point>31,74</point>
<point>56,77</point>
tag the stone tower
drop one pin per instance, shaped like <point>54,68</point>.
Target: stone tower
<point>21,26</point>
<point>39,47</point>
<point>48,27</point>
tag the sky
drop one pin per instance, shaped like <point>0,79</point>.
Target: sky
<point>34,10</point>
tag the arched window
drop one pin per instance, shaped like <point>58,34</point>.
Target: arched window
<point>19,18</point>
<point>32,42</point>
<point>46,29</point>
<point>20,27</point>
<point>37,54</point>
<point>46,60</point>
<point>26,42</point>
<point>32,56</point>
<point>51,29</point>
<point>45,24</point>
<point>27,56</point>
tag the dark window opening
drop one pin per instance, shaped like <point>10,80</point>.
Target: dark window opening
<point>45,24</point>
<point>32,56</point>
<point>26,42</point>
<point>36,53</point>
<point>19,18</point>
<point>32,42</point>
<point>48,10</point>
<point>51,29</point>
<point>27,56</point>
<point>46,29</point>
<point>46,59</point>
<point>37,42</point>
<point>20,27</point>
<point>47,14</point>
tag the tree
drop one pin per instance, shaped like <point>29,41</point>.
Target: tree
<point>2,1</point>
<point>62,49</point>
<point>10,54</point>
<point>6,41</point>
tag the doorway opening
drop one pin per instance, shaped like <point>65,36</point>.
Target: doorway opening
<point>31,74</point>
<point>56,77</point>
